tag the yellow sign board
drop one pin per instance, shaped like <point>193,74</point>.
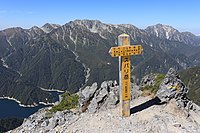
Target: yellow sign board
<point>126,50</point>
<point>126,77</point>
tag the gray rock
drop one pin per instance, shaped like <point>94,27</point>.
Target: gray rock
<point>102,98</point>
<point>112,100</point>
<point>86,95</point>
<point>92,108</point>
<point>176,124</point>
<point>105,84</point>
<point>135,91</point>
<point>148,80</point>
<point>52,124</point>
<point>45,123</point>
<point>179,103</point>
<point>89,91</point>
<point>171,87</point>
<point>102,93</point>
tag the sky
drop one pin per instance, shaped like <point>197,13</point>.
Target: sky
<point>183,15</point>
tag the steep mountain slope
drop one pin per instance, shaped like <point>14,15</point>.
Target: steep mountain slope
<point>90,49</point>
<point>191,77</point>
<point>159,62</point>
<point>39,62</point>
<point>48,65</point>
<point>195,58</point>
<point>23,92</point>
<point>70,56</point>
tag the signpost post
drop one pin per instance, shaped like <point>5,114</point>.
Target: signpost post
<point>124,51</point>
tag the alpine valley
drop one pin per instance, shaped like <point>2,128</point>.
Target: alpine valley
<point>71,56</point>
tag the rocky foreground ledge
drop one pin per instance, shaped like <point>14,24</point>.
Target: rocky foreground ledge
<point>168,112</point>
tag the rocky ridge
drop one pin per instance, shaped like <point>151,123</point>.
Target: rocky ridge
<point>168,112</point>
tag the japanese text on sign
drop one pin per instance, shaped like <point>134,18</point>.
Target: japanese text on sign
<point>126,50</point>
<point>126,77</point>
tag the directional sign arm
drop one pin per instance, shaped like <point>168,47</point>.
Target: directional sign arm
<point>126,50</point>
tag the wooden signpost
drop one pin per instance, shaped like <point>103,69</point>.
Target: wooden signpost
<point>124,51</point>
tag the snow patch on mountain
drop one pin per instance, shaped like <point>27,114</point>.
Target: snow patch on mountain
<point>20,74</point>
<point>63,37</point>
<point>4,64</point>
<point>87,71</point>
<point>70,36</point>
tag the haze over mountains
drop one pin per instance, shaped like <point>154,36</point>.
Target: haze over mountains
<point>73,55</point>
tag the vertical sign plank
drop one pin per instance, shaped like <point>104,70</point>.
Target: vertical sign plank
<point>124,76</point>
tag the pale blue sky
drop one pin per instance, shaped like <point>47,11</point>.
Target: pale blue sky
<point>183,15</point>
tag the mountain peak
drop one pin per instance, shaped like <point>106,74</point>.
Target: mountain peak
<point>163,31</point>
<point>94,26</point>
<point>86,21</point>
<point>129,26</point>
<point>49,27</point>
<point>170,33</point>
<point>35,28</point>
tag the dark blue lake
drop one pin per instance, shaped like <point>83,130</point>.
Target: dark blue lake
<point>10,108</point>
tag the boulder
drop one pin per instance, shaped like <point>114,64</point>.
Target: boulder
<point>88,92</point>
<point>148,80</point>
<point>135,91</point>
<point>93,99</point>
<point>173,88</point>
<point>85,96</point>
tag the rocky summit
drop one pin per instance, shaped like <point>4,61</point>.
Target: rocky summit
<point>169,111</point>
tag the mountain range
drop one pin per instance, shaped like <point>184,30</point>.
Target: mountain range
<point>70,56</point>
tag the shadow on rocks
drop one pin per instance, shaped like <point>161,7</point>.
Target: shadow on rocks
<point>147,104</point>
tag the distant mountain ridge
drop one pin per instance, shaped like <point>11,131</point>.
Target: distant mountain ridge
<point>70,56</point>
<point>168,32</point>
